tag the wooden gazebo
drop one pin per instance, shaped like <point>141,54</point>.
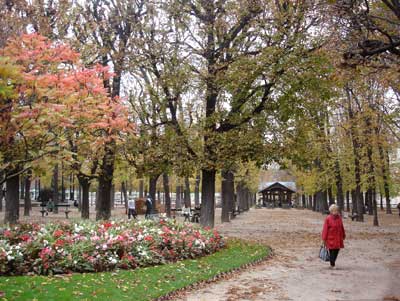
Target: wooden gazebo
<point>278,194</point>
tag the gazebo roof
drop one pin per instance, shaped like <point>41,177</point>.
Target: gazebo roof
<point>285,186</point>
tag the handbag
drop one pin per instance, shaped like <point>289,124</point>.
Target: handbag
<point>324,253</point>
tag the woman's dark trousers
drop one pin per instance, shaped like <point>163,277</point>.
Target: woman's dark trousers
<point>333,253</point>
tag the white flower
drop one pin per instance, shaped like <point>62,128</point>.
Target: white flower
<point>112,260</point>
<point>9,258</point>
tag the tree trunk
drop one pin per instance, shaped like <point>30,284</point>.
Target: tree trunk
<point>353,202</point>
<point>2,196</point>
<point>188,201</point>
<point>141,188</point>
<point>178,195</point>
<point>85,186</point>
<point>197,191</point>
<point>182,190</point>
<point>330,196</point>
<point>239,195</point>
<point>71,187</point>
<point>358,202</point>
<point>124,192</point>
<point>62,184</point>
<point>314,202</point>
<point>54,186</point>
<point>227,195</point>
<point>339,186</point>
<point>79,197</point>
<point>153,190</point>
<point>211,97</point>
<point>207,198</point>
<point>381,200</point>
<point>27,199</point>
<point>385,172</point>
<point>112,196</point>
<point>103,208</point>
<point>387,196</point>
<point>386,175</point>
<point>375,209</point>
<point>303,201</point>
<point>322,201</point>
<point>11,215</point>
<point>22,188</point>
<point>357,173</point>
<point>246,199</point>
<point>167,195</point>
<point>370,201</point>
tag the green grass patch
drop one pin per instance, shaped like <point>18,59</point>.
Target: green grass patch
<point>140,284</point>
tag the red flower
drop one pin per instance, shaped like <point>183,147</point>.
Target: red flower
<point>107,225</point>
<point>58,233</point>
<point>24,237</point>
<point>59,243</point>
<point>148,238</point>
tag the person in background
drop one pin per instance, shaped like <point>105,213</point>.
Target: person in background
<point>149,206</point>
<point>398,207</point>
<point>50,205</point>
<point>131,209</point>
<point>333,233</point>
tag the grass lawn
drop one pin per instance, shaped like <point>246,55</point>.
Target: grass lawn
<point>140,284</point>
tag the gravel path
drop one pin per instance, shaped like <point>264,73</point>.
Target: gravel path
<point>368,267</point>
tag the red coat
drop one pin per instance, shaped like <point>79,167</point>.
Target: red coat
<point>333,232</point>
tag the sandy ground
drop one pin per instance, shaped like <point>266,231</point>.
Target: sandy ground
<point>368,267</point>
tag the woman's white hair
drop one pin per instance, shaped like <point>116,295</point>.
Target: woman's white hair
<point>333,207</point>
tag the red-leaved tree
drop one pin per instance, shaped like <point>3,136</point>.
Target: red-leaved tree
<point>60,110</point>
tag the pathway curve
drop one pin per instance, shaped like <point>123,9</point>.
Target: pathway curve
<point>368,267</point>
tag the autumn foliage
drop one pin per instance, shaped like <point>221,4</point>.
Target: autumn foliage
<point>58,102</point>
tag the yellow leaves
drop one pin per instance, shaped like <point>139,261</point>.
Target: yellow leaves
<point>9,75</point>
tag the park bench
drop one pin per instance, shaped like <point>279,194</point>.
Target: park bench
<point>66,206</point>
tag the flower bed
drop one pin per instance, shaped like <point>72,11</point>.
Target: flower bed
<point>102,246</point>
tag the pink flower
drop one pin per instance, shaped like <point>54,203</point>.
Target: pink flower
<point>7,233</point>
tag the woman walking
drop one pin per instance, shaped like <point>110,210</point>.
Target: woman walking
<point>333,233</point>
